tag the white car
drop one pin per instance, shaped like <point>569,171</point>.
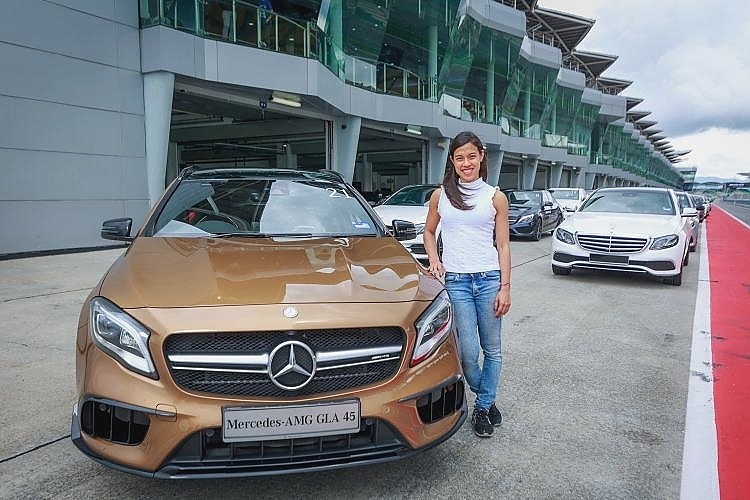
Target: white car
<point>628,229</point>
<point>410,203</point>
<point>569,199</point>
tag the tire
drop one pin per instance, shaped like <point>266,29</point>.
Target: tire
<point>675,280</point>
<point>686,260</point>
<point>560,271</point>
<point>537,234</point>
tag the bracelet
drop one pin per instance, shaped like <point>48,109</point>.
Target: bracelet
<point>505,284</point>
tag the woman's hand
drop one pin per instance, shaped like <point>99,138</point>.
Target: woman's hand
<point>502,301</point>
<point>437,269</point>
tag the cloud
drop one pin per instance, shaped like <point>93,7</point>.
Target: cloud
<point>716,152</point>
<point>689,62</point>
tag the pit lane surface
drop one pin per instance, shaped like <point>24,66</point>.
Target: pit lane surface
<point>594,391</point>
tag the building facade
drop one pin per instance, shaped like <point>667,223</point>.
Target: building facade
<point>104,101</point>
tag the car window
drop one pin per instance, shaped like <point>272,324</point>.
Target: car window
<point>410,196</point>
<point>633,202</point>
<point>200,207</point>
<point>524,198</point>
<point>565,194</point>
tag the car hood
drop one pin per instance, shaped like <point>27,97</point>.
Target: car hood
<point>415,214</point>
<point>189,272</point>
<point>636,225</point>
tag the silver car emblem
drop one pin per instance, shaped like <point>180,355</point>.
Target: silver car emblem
<point>291,365</point>
<point>290,312</point>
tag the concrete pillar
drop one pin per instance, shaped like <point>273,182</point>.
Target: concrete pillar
<point>589,178</point>
<point>173,162</point>
<point>344,145</point>
<point>366,173</point>
<point>576,179</point>
<point>555,174</point>
<point>158,88</point>
<point>529,173</point>
<point>494,165</point>
<point>438,158</point>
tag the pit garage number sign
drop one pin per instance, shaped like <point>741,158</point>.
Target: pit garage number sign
<point>293,421</point>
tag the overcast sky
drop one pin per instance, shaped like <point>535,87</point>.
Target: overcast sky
<point>689,60</point>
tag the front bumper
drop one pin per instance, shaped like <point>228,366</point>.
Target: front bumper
<point>660,263</point>
<point>149,428</point>
<point>523,229</point>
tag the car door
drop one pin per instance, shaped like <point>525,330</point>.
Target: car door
<point>549,211</point>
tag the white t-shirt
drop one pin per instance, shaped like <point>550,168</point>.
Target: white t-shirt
<point>468,245</point>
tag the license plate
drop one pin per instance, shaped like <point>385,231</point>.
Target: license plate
<point>290,421</point>
<point>615,259</point>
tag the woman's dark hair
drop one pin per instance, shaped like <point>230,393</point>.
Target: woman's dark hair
<point>450,180</point>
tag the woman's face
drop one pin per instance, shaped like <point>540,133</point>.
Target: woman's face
<point>466,160</point>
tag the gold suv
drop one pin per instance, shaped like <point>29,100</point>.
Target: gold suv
<point>263,322</point>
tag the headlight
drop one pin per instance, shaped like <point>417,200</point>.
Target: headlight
<point>663,242</point>
<point>565,236</point>
<point>121,336</point>
<point>419,228</point>
<point>433,327</point>
<point>526,218</point>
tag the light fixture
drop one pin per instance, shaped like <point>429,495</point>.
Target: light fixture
<point>286,100</point>
<point>414,129</point>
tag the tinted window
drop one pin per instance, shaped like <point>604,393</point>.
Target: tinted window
<point>524,198</point>
<point>410,196</point>
<point>565,194</point>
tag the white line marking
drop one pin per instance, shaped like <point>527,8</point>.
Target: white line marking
<point>700,474</point>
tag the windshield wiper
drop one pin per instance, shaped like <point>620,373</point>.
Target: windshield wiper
<point>262,235</point>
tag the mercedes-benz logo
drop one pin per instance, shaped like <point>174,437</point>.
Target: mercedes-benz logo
<point>291,365</point>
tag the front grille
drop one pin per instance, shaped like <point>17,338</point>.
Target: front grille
<point>611,244</point>
<point>236,364</point>
<point>205,454</point>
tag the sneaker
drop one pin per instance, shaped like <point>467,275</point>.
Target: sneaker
<point>480,422</point>
<point>496,418</point>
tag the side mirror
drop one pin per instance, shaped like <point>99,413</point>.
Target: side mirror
<point>117,229</point>
<point>403,230</point>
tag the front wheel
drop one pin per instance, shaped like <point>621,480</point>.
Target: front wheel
<point>560,271</point>
<point>537,234</point>
<point>675,280</point>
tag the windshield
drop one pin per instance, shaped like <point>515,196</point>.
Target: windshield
<point>263,207</point>
<point>565,194</point>
<point>413,196</point>
<point>630,202</point>
<point>524,198</point>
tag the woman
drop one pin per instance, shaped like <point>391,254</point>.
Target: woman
<point>476,268</point>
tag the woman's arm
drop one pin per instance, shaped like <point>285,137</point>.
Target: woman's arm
<point>430,238</point>
<point>502,242</point>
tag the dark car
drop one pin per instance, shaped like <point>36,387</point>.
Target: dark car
<point>532,213</point>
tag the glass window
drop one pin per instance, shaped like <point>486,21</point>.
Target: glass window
<point>263,207</point>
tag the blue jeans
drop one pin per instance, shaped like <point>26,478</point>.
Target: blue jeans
<point>472,297</point>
